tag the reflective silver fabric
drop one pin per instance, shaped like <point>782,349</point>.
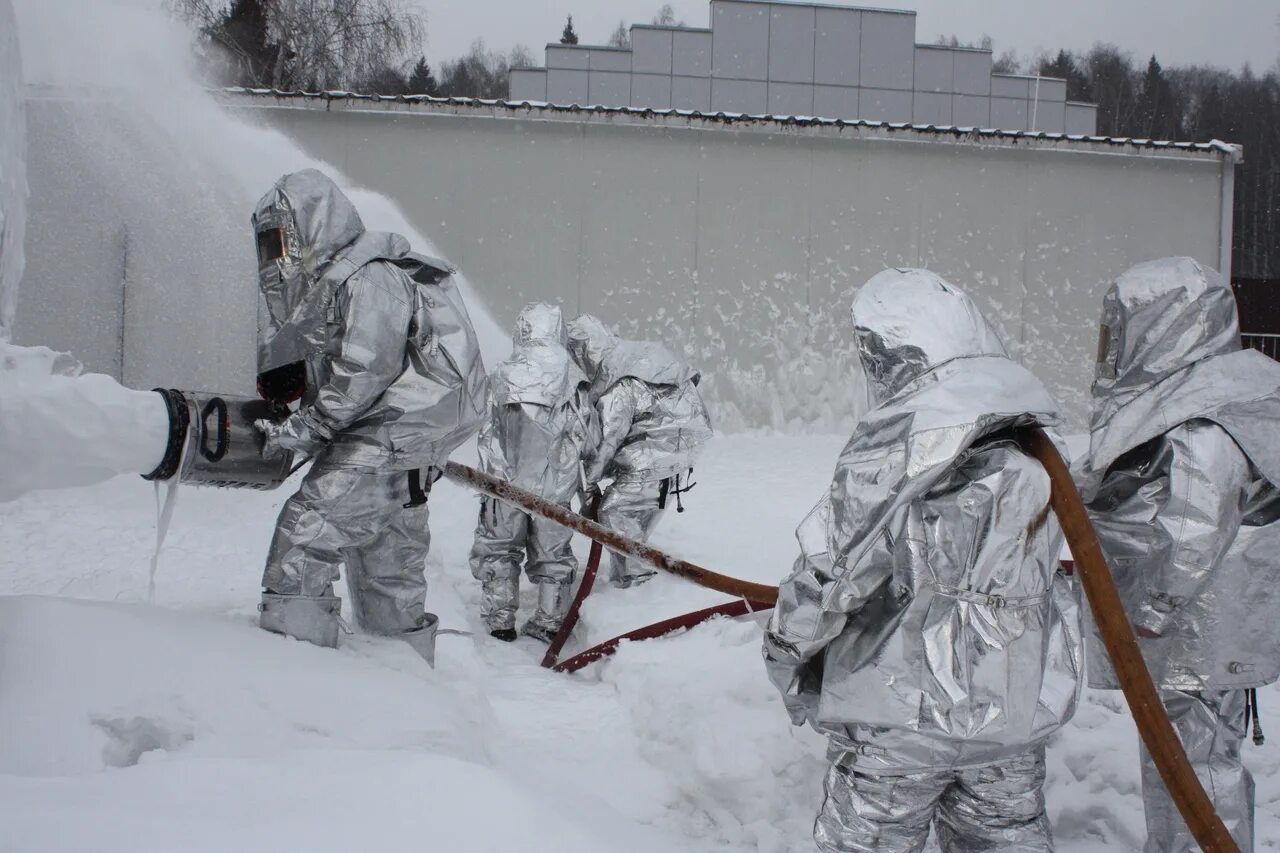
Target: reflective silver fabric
<point>540,426</point>
<point>357,519</point>
<point>653,419</point>
<point>653,424</point>
<point>1181,479</point>
<point>394,376</point>
<point>1211,726</point>
<point>997,806</point>
<point>394,382</point>
<point>926,625</point>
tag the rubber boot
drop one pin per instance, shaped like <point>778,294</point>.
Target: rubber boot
<point>423,639</point>
<point>499,598</point>
<point>312,618</point>
<point>553,604</point>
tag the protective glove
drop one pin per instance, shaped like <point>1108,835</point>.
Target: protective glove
<point>795,680</point>
<point>295,433</point>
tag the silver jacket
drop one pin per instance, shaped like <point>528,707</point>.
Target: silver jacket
<point>652,417</point>
<point>394,379</point>
<point>1180,479</point>
<point>926,624</point>
<point>541,423</point>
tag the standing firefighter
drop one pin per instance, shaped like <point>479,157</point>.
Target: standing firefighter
<point>926,628</point>
<point>540,427</point>
<point>1181,486</point>
<point>654,424</point>
<point>377,343</point>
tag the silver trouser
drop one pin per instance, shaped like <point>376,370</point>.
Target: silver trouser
<point>1211,727</point>
<point>631,508</point>
<point>507,538</point>
<point>340,516</point>
<point>997,806</point>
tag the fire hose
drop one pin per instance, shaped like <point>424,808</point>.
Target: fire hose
<point>1117,635</point>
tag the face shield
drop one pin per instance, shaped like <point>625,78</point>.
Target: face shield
<point>271,242</point>
<point>279,273</point>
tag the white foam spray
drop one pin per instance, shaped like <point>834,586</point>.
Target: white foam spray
<point>183,173</point>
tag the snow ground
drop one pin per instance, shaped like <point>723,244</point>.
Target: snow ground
<point>179,725</point>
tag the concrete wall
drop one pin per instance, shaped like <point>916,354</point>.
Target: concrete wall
<point>740,244</point>
<point>788,58</point>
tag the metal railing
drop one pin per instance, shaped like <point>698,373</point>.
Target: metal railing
<point>1267,344</point>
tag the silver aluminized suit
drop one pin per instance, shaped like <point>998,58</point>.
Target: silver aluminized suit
<point>926,628</point>
<point>1180,483</point>
<point>393,383</point>
<point>653,424</point>
<point>540,427</point>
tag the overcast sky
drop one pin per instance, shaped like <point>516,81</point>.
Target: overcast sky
<point>1225,33</point>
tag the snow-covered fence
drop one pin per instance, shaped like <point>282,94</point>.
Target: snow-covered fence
<point>739,240</point>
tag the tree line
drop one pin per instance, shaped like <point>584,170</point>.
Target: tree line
<point>1193,104</point>
<point>375,46</point>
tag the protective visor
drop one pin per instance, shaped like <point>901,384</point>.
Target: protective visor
<point>271,243</point>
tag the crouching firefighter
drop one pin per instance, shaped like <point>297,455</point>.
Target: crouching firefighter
<point>654,424</point>
<point>540,426</point>
<point>376,342</point>
<point>1180,483</point>
<point>926,628</point>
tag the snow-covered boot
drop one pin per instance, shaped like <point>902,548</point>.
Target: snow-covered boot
<point>553,604</point>
<point>499,598</point>
<point>423,639</point>
<point>313,618</point>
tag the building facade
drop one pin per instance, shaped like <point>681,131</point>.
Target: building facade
<point>803,59</point>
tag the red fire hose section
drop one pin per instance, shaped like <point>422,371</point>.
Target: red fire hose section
<point>584,589</point>
<point>730,609</point>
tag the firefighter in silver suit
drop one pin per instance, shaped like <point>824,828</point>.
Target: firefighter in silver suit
<point>1180,483</point>
<point>540,427</point>
<point>926,627</point>
<point>653,422</point>
<point>376,342</point>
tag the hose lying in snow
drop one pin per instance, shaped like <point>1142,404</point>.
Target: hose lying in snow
<point>1113,625</point>
<point>584,589</point>
<point>610,539</point>
<point>1117,635</point>
<point>730,609</point>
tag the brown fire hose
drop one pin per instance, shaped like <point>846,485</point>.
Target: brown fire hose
<point>1117,635</point>
<point>610,539</point>
<point>584,589</point>
<point>1131,670</point>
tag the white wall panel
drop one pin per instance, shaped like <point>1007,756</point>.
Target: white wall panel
<point>739,96</point>
<point>650,50</point>
<point>740,40</point>
<point>931,108</point>
<point>692,54</point>
<point>528,85</point>
<point>888,50</point>
<point>1009,86</point>
<point>1081,119</point>
<point>972,72</point>
<point>578,58</point>
<point>835,101</point>
<point>568,87</point>
<point>970,111</point>
<point>791,42</point>
<point>651,90</point>
<point>884,105</point>
<point>934,69</point>
<point>837,46</point>
<point>791,99</point>
<point>691,93</point>
<point>609,88</point>
<point>1009,114</point>
<point>603,59</point>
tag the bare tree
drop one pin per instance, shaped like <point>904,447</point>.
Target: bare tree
<point>324,44</point>
<point>666,17</point>
<point>620,36</point>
